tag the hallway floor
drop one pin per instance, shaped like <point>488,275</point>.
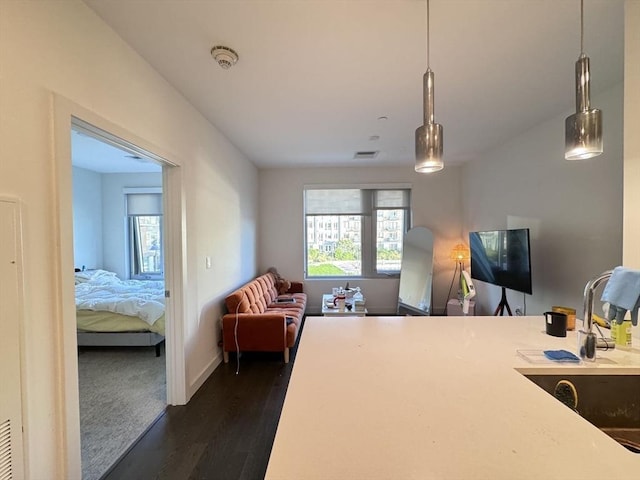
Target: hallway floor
<point>225,432</point>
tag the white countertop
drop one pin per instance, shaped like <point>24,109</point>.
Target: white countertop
<point>441,398</point>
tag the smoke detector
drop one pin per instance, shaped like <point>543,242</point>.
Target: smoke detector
<point>225,56</point>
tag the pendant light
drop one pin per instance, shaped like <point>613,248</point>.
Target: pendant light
<point>429,135</point>
<point>583,129</point>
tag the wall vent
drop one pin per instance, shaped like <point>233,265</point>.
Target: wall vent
<point>6,470</point>
<point>365,155</point>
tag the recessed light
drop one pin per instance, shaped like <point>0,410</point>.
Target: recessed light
<point>365,155</point>
<point>383,118</point>
<point>373,138</point>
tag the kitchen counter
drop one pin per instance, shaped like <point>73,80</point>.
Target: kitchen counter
<point>438,397</point>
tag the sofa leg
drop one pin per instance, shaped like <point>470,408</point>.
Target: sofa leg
<point>286,355</point>
<point>225,356</point>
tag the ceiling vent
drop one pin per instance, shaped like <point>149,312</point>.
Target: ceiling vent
<point>366,155</point>
<point>225,56</point>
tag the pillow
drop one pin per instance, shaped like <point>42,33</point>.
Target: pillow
<point>99,276</point>
<point>282,285</point>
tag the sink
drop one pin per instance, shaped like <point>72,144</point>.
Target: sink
<point>610,402</point>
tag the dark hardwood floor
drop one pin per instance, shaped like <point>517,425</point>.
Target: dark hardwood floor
<point>225,431</point>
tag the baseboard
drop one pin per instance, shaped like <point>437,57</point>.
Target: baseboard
<point>203,375</point>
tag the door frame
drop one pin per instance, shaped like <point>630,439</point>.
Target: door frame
<point>64,112</point>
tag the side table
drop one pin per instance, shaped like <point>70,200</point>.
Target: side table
<point>336,312</point>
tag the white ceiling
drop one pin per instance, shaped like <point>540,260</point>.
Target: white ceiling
<point>314,76</point>
<point>93,154</point>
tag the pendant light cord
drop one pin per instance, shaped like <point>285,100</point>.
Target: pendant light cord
<point>428,41</point>
<point>581,27</point>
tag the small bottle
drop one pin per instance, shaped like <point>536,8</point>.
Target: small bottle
<point>357,296</point>
<point>621,333</point>
<point>614,331</point>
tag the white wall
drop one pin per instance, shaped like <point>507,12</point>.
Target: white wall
<point>62,47</point>
<point>113,216</point>
<point>436,205</point>
<point>87,218</point>
<point>574,209</point>
<point>99,226</point>
<point>631,253</point>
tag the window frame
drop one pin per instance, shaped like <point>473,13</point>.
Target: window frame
<point>368,229</point>
<point>135,252</point>
<point>133,248</point>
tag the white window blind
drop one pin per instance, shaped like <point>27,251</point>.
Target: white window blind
<point>392,198</point>
<point>334,202</point>
<point>144,204</point>
<point>353,201</point>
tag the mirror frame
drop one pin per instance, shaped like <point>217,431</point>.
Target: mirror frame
<point>417,264</point>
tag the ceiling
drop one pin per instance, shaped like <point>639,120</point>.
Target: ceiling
<point>314,77</point>
<point>92,153</point>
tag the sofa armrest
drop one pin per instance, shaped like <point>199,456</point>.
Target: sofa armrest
<point>255,331</point>
<point>296,287</point>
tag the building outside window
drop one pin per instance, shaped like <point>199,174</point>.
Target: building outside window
<point>355,232</point>
<point>145,237</point>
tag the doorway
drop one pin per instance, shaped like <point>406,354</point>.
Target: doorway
<point>67,116</point>
<point>119,269</point>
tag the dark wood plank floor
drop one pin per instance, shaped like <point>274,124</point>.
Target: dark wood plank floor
<point>226,430</point>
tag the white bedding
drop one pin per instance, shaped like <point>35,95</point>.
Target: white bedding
<point>102,290</point>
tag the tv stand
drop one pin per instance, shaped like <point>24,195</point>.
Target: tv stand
<point>503,304</point>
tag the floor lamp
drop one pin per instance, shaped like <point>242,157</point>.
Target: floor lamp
<point>459,254</point>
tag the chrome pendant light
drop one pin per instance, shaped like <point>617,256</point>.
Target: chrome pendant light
<point>583,129</point>
<point>429,135</point>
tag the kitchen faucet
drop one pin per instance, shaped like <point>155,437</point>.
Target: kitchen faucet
<point>588,342</point>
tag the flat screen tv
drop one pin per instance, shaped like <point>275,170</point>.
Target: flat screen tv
<point>502,258</point>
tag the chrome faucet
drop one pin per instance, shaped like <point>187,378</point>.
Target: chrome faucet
<point>588,342</point>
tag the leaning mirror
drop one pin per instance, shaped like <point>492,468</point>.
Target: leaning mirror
<point>416,272</point>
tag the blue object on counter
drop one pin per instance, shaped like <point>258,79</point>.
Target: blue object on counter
<point>622,291</point>
<point>561,356</point>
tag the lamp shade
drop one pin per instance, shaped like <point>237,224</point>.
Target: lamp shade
<point>428,136</point>
<point>429,148</point>
<point>460,253</point>
<point>583,135</point>
<point>583,129</point>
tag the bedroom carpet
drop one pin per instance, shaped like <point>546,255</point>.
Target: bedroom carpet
<point>122,392</point>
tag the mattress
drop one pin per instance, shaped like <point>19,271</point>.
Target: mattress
<point>106,304</point>
<point>101,321</point>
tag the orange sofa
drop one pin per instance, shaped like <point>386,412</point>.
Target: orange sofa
<point>260,319</point>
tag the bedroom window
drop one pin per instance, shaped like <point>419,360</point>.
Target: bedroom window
<point>146,244</point>
<point>355,232</point>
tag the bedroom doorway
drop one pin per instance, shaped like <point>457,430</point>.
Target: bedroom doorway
<point>119,249</point>
<point>67,114</point>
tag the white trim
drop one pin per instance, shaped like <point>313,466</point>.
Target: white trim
<point>68,421</point>
<point>119,141</point>
<point>175,282</point>
<point>134,190</point>
<point>359,186</point>
<point>64,112</point>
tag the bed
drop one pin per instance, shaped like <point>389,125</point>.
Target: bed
<point>114,312</point>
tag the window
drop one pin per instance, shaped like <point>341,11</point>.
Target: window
<point>355,232</point>
<point>146,245</point>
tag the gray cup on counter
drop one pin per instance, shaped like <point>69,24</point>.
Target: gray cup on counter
<point>556,323</point>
